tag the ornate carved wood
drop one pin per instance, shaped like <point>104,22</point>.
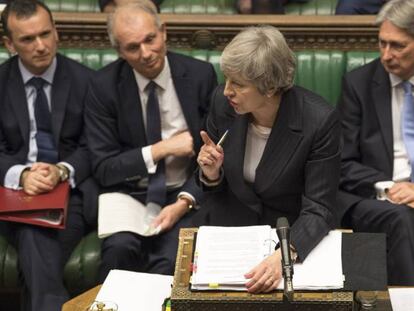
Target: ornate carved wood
<point>215,31</point>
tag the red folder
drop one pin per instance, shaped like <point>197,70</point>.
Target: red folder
<point>47,209</point>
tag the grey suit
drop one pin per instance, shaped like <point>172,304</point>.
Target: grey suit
<point>367,158</point>
<point>297,176</point>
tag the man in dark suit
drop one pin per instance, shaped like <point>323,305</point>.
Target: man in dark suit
<point>41,145</point>
<point>377,190</point>
<point>364,7</point>
<point>120,120</point>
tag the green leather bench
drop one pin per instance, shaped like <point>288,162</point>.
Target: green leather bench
<point>320,71</point>
<point>313,7</point>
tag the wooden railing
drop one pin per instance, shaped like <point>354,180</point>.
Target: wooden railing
<point>215,31</point>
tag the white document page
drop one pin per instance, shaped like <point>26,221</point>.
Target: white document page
<point>120,212</point>
<point>322,268</point>
<point>224,254</point>
<point>402,299</point>
<point>133,291</point>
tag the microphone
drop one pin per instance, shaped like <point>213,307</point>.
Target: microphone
<point>283,233</point>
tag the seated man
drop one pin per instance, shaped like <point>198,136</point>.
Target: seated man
<point>41,145</point>
<point>375,102</point>
<point>143,117</point>
<point>363,7</point>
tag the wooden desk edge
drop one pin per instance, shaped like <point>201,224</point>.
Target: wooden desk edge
<point>83,301</point>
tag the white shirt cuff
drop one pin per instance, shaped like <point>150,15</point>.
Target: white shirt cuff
<point>12,178</point>
<point>381,189</point>
<point>71,178</point>
<point>188,194</point>
<point>149,161</point>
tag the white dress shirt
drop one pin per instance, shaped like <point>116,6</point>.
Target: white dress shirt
<point>257,137</point>
<point>177,169</point>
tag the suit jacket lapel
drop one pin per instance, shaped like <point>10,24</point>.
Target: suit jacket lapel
<point>130,105</point>
<point>381,95</point>
<point>234,162</point>
<point>282,143</point>
<point>17,96</point>
<point>185,93</point>
<point>59,98</point>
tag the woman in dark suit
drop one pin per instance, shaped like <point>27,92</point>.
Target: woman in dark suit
<point>281,153</point>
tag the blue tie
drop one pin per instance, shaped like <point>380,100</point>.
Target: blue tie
<point>408,123</point>
<point>44,139</point>
<point>157,189</point>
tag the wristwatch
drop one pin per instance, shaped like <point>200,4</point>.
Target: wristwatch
<point>190,202</point>
<point>63,172</point>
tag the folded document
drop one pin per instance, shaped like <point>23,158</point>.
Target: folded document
<point>119,212</point>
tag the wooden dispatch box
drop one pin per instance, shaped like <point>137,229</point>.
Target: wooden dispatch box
<point>183,299</point>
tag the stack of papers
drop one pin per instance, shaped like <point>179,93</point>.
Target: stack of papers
<point>223,255</point>
<point>132,291</point>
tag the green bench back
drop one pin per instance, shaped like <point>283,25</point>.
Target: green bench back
<point>313,7</point>
<point>198,7</point>
<point>73,5</point>
<point>319,71</point>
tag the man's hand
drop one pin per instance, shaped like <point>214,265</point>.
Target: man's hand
<point>179,145</point>
<point>170,215</point>
<point>41,178</point>
<point>266,276</point>
<point>402,193</point>
<point>210,158</point>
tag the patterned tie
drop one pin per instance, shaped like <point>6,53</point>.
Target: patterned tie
<point>44,139</point>
<point>157,189</point>
<point>408,123</point>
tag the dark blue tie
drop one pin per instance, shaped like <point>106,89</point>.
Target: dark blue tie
<point>408,123</point>
<point>44,138</point>
<point>157,189</point>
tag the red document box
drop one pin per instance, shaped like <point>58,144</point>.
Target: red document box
<point>48,209</point>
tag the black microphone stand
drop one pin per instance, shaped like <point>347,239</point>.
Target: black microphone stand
<point>283,232</point>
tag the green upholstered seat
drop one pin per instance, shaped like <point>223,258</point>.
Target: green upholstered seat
<point>321,72</point>
<point>355,59</point>
<point>198,6</point>
<point>4,55</point>
<point>207,55</point>
<point>73,5</point>
<point>93,58</point>
<point>9,275</point>
<point>313,7</point>
<point>81,270</point>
